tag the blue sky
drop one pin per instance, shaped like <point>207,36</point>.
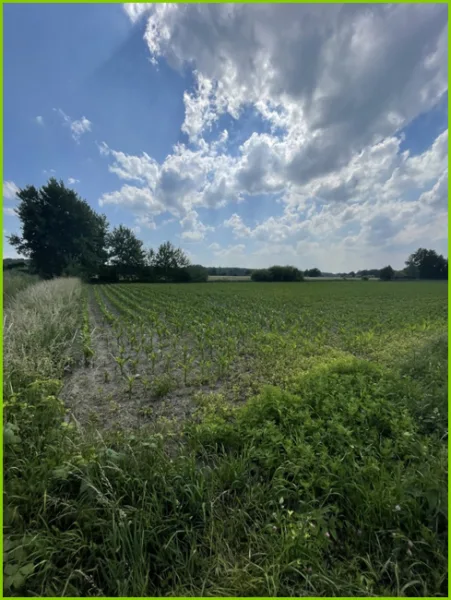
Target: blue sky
<point>205,126</point>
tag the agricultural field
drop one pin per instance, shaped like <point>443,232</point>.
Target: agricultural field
<point>229,278</point>
<point>263,439</point>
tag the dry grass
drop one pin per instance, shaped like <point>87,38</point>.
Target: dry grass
<point>39,327</point>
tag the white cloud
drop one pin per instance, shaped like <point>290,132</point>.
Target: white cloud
<point>146,222</point>
<point>78,126</point>
<point>231,252</point>
<point>339,77</point>
<point>137,200</point>
<point>40,120</point>
<point>239,228</point>
<point>334,93</point>
<point>72,181</point>
<point>10,190</point>
<point>10,212</point>
<point>195,230</point>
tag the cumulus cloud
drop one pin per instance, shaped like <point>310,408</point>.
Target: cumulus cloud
<point>78,127</point>
<point>230,252</point>
<point>9,212</point>
<point>334,94</point>
<point>10,190</point>
<point>195,230</point>
<point>73,181</point>
<point>338,78</point>
<point>40,120</point>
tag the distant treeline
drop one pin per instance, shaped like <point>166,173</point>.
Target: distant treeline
<point>229,271</point>
<point>18,264</point>
<point>277,273</point>
<point>62,235</point>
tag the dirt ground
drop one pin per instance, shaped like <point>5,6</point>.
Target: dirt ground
<point>97,394</point>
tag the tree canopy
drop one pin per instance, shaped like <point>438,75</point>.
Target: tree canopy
<point>60,231</point>
<point>277,273</point>
<point>125,251</point>
<point>387,273</point>
<point>312,272</point>
<point>427,264</point>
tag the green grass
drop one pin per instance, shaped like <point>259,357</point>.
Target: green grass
<point>330,480</point>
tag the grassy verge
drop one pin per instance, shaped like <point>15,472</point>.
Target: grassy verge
<point>14,282</point>
<point>334,486</point>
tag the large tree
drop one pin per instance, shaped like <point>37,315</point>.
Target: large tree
<point>427,264</point>
<point>126,252</point>
<point>60,231</point>
<point>168,261</point>
<point>387,273</point>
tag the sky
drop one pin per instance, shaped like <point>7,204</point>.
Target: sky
<point>249,135</point>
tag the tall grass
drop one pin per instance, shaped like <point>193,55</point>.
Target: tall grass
<point>39,325</point>
<point>14,282</point>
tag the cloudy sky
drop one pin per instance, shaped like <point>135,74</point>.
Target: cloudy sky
<point>247,134</point>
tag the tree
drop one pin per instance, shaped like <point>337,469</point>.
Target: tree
<point>387,273</point>
<point>277,273</point>
<point>197,273</point>
<point>261,275</point>
<point>312,272</point>
<point>427,264</point>
<point>169,261</point>
<point>60,231</point>
<point>126,252</point>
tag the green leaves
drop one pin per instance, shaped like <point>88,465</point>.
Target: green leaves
<point>10,434</point>
<point>16,575</point>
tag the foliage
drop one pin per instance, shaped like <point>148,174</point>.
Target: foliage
<point>313,273</point>
<point>15,263</point>
<point>427,264</point>
<point>197,273</point>
<point>59,229</point>
<point>387,273</point>
<point>168,261</point>
<point>368,273</point>
<point>126,252</point>
<point>229,271</point>
<point>277,273</point>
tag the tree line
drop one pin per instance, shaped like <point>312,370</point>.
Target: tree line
<point>62,235</point>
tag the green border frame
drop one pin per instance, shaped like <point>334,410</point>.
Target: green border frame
<point>199,2</point>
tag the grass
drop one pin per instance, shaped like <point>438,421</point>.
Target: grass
<point>14,282</point>
<point>330,480</point>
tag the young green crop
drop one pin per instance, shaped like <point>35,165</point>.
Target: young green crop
<point>329,482</point>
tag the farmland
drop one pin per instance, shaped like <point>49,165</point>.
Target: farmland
<point>213,440</point>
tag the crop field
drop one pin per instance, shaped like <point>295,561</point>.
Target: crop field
<point>283,439</point>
